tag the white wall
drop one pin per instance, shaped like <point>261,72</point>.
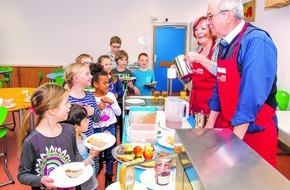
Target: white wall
<point>55,32</point>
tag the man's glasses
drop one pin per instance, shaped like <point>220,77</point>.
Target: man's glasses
<point>88,63</point>
<point>210,15</point>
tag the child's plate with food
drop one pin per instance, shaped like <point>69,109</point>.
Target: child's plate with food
<point>71,174</point>
<point>166,141</point>
<point>127,78</point>
<point>100,141</point>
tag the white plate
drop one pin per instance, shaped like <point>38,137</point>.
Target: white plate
<point>135,102</point>
<point>129,78</point>
<point>106,137</point>
<point>61,180</point>
<point>152,83</point>
<point>147,178</point>
<point>116,186</point>
<point>12,105</point>
<point>162,142</point>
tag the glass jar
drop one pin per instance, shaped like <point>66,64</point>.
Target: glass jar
<point>162,171</point>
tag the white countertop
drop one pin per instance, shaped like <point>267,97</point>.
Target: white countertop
<point>284,121</point>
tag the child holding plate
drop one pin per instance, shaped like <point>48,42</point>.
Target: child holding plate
<point>48,144</point>
<point>109,107</point>
<point>145,79</point>
<point>78,77</point>
<point>78,118</point>
<point>125,75</point>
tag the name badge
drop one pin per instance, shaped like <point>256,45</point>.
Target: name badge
<point>221,70</point>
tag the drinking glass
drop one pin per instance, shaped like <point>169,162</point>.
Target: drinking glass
<point>164,94</point>
<point>156,95</point>
<point>162,172</point>
<point>183,94</point>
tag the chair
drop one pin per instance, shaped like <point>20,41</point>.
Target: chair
<point>3,135</point>
<point>13,122</point>
<point>6,71</point>
<point>40,77</point>
<point>282,98</point>
<point>59,80</point>
<point>59,70</point>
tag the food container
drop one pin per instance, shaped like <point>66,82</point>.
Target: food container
<point>142,133</point>
<point>144,115</point>
<point>142,125</point>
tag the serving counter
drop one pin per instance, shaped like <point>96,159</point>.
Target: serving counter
<point>218,160</point>
<point>223,161</point>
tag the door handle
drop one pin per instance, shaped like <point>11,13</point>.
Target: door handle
<point>155,58</point>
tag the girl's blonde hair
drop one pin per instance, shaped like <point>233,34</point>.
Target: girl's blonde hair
<point>100,59</point>
<point>45,97</point>
<point>71,70</point>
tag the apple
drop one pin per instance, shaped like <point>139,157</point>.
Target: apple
<point>138,151</point>
<point>148,152</point>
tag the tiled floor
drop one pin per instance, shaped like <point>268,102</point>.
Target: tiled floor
<point>283,165</point>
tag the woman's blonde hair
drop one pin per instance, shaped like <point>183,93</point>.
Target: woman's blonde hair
<point>45,97</point>
<point>71,70</point>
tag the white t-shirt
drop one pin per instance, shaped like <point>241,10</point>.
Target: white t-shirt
<point>108,114</point>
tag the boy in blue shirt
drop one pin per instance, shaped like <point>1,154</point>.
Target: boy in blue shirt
<point>145,79</point>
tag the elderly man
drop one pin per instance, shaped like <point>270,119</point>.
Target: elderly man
<point>244,95</point>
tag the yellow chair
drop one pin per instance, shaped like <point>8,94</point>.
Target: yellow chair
<point>282,98</point>
<point>3,135</point>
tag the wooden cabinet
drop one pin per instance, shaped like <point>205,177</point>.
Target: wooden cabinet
<point>27,76</point>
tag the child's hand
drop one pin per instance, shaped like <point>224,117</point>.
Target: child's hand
<point>107,132</point>
<point>136,91</point>
<point>89,109</point>
<point>130,84</point>
<point>86,162</point>
<point>152,85</point>
<point>93,153</point>
<point>47,182</point>
<point>101,105</point>
<point>107,100</point>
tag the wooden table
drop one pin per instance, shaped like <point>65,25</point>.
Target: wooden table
<point>18,95</point>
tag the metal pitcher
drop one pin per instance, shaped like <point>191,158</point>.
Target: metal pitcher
<point>183,69</point>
